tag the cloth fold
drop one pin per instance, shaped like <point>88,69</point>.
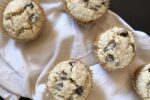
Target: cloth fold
<point>25,66</point>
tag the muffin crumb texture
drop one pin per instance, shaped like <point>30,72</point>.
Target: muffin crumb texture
<point>87,10</point>
<point>115,48</point>
<point>143,82</point>
<point>22,19</point>
<point>69,80</point>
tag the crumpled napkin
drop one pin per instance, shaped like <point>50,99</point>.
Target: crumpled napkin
<point>24,67</point>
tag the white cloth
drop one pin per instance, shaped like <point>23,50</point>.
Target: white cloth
<point>24,67</point>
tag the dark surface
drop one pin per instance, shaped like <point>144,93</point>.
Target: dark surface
<point>24,99</point>
<point>1,98</point>
<point>135,12</point>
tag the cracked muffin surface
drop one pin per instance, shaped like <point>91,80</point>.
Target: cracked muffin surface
<point>115,48</point>
<point>86,10</point>
<point>143,82</point>
<point>23,19</point>
<point>69,80</point>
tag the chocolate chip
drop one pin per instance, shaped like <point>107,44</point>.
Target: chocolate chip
<point>104,2</point>
<point>105,49</point>
<point>110,46</point>
<point>133,47</point>
<point>33,18</point>
<point>71,80</point>
<point>148,70</point>
<point>29,4</point>
<point>79,90</point>
<point>72,63</point>
<point>63,75</point>
<point>85,0</point>
<point>94,8</point>
<point>110,58</point>
<point>59,85</point>
<point>124,33</point>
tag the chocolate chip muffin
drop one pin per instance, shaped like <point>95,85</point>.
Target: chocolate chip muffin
<point>115,48</point>
<point>69,80</point>
<point>23,19</point>
<point>86,11</point>
<point>141,82</point>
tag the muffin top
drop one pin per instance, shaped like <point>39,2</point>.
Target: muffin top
<point>22,19</point>
<point>69,80</point>
<point>115,48</point>
<point>87,10</point>
<point>143,82</point>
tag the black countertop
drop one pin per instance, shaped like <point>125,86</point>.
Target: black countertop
<point>135,12</point>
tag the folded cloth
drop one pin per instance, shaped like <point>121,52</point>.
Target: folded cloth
<point>25,66</point>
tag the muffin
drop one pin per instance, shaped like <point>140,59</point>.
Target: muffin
<point>115,48</point>
<point>86,11</point>
<point>69,80</point>
<point>141,82</point>
<point>23,19</point>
